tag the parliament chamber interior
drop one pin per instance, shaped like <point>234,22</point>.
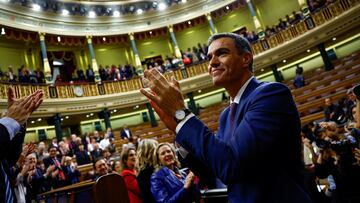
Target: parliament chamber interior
<point>87,142</point>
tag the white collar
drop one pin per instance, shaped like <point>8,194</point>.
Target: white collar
<point>241,91</point>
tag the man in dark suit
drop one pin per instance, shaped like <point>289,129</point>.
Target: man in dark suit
<point>12,132</point>
<point>256,151</point>
<point>125,132</point>
<point>57,180</point>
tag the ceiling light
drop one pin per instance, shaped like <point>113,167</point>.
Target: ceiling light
<point>39,119</point>
<point>227,7</point>
<point>150,32</point>
<point>199,91</point>
<point>36,7</point>
<point>308,50</point>
<point>334,39</point>
<point>92,14</point>
<point>162,6</point>
<point>115,110</point>
<point>183,1</point>
<point>91,114</point>
<point>139,11</point>
<point>65,12</point>
<point>2,31</point>
<point>189,22</point>
<point>104,39</point>
<point>33,122</point>
<point>87,116</point>
<point>66,117</point>
<point>284,61</point>
<point>116,13</point>
<point>58,38</point>
<point>61,119</point>
<point>262,70</point>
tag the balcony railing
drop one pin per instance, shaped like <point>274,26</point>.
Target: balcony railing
<point>64,91</point>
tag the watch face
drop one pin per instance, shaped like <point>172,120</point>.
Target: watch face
<point>180,114</point>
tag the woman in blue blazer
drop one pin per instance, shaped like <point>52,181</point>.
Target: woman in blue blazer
<point>169,184</point>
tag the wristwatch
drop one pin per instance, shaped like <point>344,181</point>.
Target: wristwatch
<point>181,114</point>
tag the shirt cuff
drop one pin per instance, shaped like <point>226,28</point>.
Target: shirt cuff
<point>11,125</point>
<point>183,153</point>
<point>180,125</point>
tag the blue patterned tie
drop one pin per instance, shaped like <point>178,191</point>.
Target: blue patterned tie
<point>8,194</point>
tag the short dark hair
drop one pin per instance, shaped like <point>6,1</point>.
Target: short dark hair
<point>241,43</point>
<point>96,160</point>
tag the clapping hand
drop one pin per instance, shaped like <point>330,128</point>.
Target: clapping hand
<point>165,96</point>
<point>21,109</point>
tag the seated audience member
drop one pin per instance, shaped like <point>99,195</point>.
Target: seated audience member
<point>112,147</point>
<point>106,155</point>
<point>104,143</point>
<point>299,80</point>
<point>110,133</point>
<point>350,102</point>
<point>96,152</point>
<point>10,74</point>
<point>168,183</point>
<point>332,111</point>
<point>100,168</point>
<point>54,143</point>
<point>145,165</point>
<point>41,152</point>
<point>71,172</point>
<point>82,156</point>
<point>128,160</point>
<point>116,167</point>
<point>125,132</point>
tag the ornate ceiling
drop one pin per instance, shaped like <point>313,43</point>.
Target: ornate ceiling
<point>101,18</point>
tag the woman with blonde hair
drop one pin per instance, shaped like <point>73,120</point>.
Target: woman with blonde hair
<point>145,165</point>
<point>168,183</point>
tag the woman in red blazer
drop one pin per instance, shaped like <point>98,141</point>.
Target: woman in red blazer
<point>128,159</point>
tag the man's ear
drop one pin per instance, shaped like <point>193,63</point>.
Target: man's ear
<point>247,58</point>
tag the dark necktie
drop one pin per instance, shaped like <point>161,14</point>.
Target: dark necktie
<point>8,193</point>
<point>233,108</point>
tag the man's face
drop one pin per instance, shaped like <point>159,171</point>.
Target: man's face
<point>101,167</point>
<point>52,152</point>
<point>226,64</point>
<point>328,102</point>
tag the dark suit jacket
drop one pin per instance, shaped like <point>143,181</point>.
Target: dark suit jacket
<point>9,154</point>
<point>260,161</point>
<point>123,133</point>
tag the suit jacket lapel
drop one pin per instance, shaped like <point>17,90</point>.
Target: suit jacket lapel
<point>253,84</point>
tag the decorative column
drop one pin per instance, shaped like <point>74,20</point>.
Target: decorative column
<point>105,114</point>
<point>257,23</point>
<point>93,59</point>
<point>278,77</point>
<point>175,44</point>
<point>306,13</point>
<point>134,48</point>
<point>192,104</point>
<point>152,115</point>
<point>47,70</point>
<point>211,23</point>
<point>325,57</point>
<point>57,124</point>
